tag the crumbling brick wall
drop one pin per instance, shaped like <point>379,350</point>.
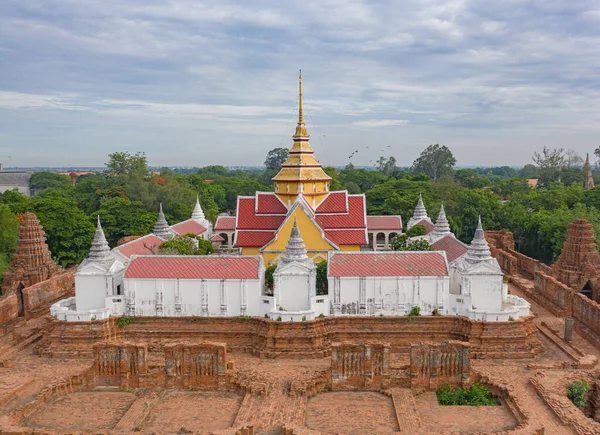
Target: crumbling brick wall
<point>587,318</point>
<point>435,364</point>
<point>120,364</point>
<point>195,366</point>
<point>38,298</point>
<point>553,294</point>
<point>8,309</point>
<point>360,366</point>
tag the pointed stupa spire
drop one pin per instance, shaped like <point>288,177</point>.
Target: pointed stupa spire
<point>295,249</point>
<point>442,226</point>
<point>588,182</point>
<point>162,228</point>
<point>100,251</point>
<point>420,210</point>
<point>479,250</point>
<point>198,213</point>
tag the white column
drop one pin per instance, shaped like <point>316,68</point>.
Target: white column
<point>223,297</point>
<point>243,303</point>
<point>204,297</point>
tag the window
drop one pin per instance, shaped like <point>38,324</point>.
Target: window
<point>460,300</point>
<point>119,290</point>
<point>265,301</point>
<point>320,301</point>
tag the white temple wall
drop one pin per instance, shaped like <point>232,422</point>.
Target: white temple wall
<point>486,291</point>
<point>293,292</point>
<point>185,297</point>
<point>388,295</point>
<point>91,290</point>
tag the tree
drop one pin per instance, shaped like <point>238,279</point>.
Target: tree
<point>44,180</point>
<point>186,245</point>
<point>471,179</point>
<point>334,184</point>
<point>275,158</point>
<point>572,159</point>
<point>402,243</point>
<point>528,171</point>
<point>121,217</point>
<point>322,278</point>
<point>387,165</point>
<point>269,271</point>
<point>68,230</point>
<point>123,163</point>
<point>549,164</point>
<point>416,230</point>
<point>9,232</point>
<point>434,161</point>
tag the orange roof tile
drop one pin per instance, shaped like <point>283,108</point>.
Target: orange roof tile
<point>384,223</point>
<point>193,267</point>
<point>363,264</point>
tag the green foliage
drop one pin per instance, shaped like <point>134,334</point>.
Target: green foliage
<point>577,393</point>
<point>387,165</point>
<point>121,217</point>
<point>394,197</point>
<point>401,243</point>
<point>434,161</point>
<point>322,282</point>
<point>416,230</point>
<point>44,180</point>
<point>68,230</point>
<point>415,311</point>
<point>279,319</point>
<point>275,158</point>
<point>304,318</point>
<point>435,312</point>
<point>185,245</point>
<point>123,321</point>
<point>269,271</point>
<point>123,163</point>
<point>477,395</point>
<point>245,318</point>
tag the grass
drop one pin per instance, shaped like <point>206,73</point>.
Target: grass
<point>477,395</point>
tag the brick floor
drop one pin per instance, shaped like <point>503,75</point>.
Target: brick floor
<point>352,413</point>
<point>89,411</point>
<point>437,419</point>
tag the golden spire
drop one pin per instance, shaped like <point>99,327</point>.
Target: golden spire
<point>300,128</point>
<point>300,115</point>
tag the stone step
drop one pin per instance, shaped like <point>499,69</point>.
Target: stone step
<point>406,410</point>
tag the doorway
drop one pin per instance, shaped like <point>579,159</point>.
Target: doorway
<point>20,304</point>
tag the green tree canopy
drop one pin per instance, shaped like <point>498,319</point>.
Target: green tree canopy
<point>275,158</point>
<point>44,180</point>
<point>123,163</point>
<point>434,161</point>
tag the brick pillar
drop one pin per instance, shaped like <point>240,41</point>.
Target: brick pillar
<point>568,328</point>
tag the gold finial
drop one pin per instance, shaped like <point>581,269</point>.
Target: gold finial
<point>300,114</point>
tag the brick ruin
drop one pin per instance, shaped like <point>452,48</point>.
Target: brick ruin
<point>434,364</point>
<point>569,288</point>
<point>33,281</point>
<point>31,262</point>
<point>120,364</point>
<point>195,366</point>
<point>360,366</point>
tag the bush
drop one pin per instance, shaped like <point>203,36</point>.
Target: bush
<point>269,271</point>
<point>416,230</point>
<point>511,319</point>
<point>435,312</point>
<point>321,315</point>
<point>577,393</point>
<point>245,318</point>
<point>415,311</point>
<point>279,319</point>
<point>477,395</point>
<point>124,321</point>
<point>304,318</point>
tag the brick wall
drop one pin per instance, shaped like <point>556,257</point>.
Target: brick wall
<point>587,318</point>
<point>8,309</point>
<point>364,366</point>
<point>38,298</point>
<point>553,294</point>
<point>273,339</point>
<point>501,239</point>
<point>196,366</point>
<point>435,364</point>
<point>120,364</point>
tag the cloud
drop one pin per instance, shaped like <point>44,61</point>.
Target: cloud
<point>217,79</point>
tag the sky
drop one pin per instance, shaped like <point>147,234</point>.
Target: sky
<point>195,83</point>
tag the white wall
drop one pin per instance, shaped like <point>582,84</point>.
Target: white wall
<point>486,291</point>
<point>90,292</point>
<point>25,190</point>
<point>388,295</point>
<point>147,294</point>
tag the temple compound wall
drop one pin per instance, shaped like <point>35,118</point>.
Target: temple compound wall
<point>571,287</point>
<point>195,366</point>
<point>434,364</point>
<point>272,339</point>
<point>360,366</point>
<point>120,364</point>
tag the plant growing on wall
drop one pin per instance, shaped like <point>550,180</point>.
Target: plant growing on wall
<point>577,393</point>
<point>415,311</point>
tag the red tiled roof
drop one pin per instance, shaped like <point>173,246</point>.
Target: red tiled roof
<point>217,238</point>
<point>193,267</point>
<point>347,264</point>
<point>355,218</point>
<point>454,248</point>
<point>428,227</point>
<point>335,202</point>
<point>141,246</point>
<point>384,223</point>
<point>268,203</point>
<point>249,220</point>
<point>346,237</point>
<point>225,223</point>
<point>188,227</point>
<point>253,238</point>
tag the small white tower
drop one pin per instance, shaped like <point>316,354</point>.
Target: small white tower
<point>441,227</point>
<point>419,215</point>
<point>198,216</point>
<point>162,230</point>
